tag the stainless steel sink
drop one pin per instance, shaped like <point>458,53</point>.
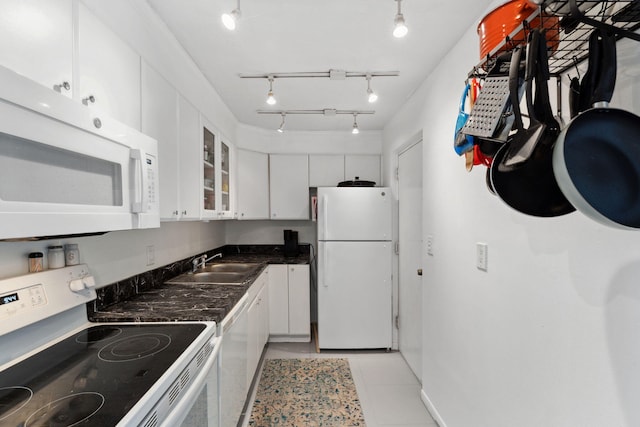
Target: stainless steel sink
<point>229,278</point>
<point>239,267</point>
<point>228,274</point>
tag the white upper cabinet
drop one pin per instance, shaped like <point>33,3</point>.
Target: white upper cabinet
<point>253,185</point>
<point>36,41</point>
<point>109,71</point>
<point>326,170</point>
<point>189,161</point>
<point>160,121</point>
<point>289,186</point>
<point>364,166</point>
<point>216,172</point>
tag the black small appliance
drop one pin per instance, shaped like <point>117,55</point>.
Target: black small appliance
<point>290,243</point>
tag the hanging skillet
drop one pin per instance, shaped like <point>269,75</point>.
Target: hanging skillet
<point>529,185</point>
<point>597,156</point>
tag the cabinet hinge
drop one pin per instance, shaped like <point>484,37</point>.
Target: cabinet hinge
<point>397,321</point>
<point>397,247</point>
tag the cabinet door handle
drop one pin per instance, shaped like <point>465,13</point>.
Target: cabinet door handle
<point>89,99</point>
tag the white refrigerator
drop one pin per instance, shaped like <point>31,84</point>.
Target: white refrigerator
<point>354,268</point>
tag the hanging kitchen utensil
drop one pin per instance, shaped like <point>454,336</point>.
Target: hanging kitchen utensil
<point>592,75</point>
<point>462,142</point>
<point>524,141</point>
<point>491,107</point>
<point>596,158</point>
<point>530,186</point>
<point>574,91</point>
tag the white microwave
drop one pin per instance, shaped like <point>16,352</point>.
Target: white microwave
<point>65,170</point>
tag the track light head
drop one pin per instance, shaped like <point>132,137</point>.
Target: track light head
<point>271,99</point>
<point>354,129</point>
<point>281,128</point>
<point>400,29</point>
<point>230,20</point>
<point>372,96</point>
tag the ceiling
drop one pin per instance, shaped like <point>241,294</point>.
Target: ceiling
<point>283,36</point>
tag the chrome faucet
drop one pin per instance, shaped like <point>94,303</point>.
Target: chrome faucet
<point>218,255</point>
<point>199,262</point>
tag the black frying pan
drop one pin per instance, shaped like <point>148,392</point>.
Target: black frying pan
<point>530,186</point>
<point>596,158</point>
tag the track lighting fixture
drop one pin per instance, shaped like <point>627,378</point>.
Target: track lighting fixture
<point>281,128</point>
<point>230,20</point>
<point>372,96</point>
<point>271,100</point>
<point>400,29</point>
<point>327,112</point>
<point>355,129</point>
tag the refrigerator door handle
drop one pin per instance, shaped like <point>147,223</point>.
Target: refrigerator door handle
<point>325,212</point>
<point>325,253</point>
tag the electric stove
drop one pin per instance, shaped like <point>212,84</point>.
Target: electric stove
<point>65,371</point>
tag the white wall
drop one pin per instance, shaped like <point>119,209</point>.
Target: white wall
<point>268,232</point>
<point>120,254</point>
<point>548,335</point>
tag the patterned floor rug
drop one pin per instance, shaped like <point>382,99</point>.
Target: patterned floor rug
<point>306,392</point>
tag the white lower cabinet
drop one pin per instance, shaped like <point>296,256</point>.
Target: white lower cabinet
<point>233,364</point>
<point>258,317</point>
<point>289,303</point>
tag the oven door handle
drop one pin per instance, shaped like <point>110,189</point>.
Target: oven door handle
<point>178,413</point>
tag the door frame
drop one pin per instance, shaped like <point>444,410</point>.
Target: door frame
<point>402,148</point>
<point>409,142</point>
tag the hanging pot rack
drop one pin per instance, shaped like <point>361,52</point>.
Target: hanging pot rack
<point>578,19</point>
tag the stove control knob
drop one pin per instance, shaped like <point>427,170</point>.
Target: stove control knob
<point>79,285</point>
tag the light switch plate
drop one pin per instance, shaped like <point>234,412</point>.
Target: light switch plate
<point>482,254</point>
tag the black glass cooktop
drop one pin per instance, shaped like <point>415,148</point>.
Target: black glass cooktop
<point>93,378</point>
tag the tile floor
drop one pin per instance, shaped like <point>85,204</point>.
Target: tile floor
<point>389,391</point>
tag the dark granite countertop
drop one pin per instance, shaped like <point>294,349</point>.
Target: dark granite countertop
<point>194,301</point>
<point>175,303</point>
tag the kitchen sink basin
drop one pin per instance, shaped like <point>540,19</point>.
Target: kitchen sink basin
<point>235,267</point>
<point>229,278</point>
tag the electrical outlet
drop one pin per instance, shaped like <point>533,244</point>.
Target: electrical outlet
<point>482,255</point>
<point>151,255</point>
<point>430,245</point>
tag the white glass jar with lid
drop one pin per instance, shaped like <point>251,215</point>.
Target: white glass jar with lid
<point>55,257</point>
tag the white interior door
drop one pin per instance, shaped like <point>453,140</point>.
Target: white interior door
<point>410,237</point>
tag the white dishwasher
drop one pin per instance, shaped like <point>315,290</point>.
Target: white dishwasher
<point>233,363</point>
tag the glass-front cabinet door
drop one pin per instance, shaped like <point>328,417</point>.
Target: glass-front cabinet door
<point>209,171</point>
<point>226,184</point>
<point>217,157</point>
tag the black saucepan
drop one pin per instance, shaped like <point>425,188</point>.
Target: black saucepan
<point>596,158</point>
<point>530,185</point>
